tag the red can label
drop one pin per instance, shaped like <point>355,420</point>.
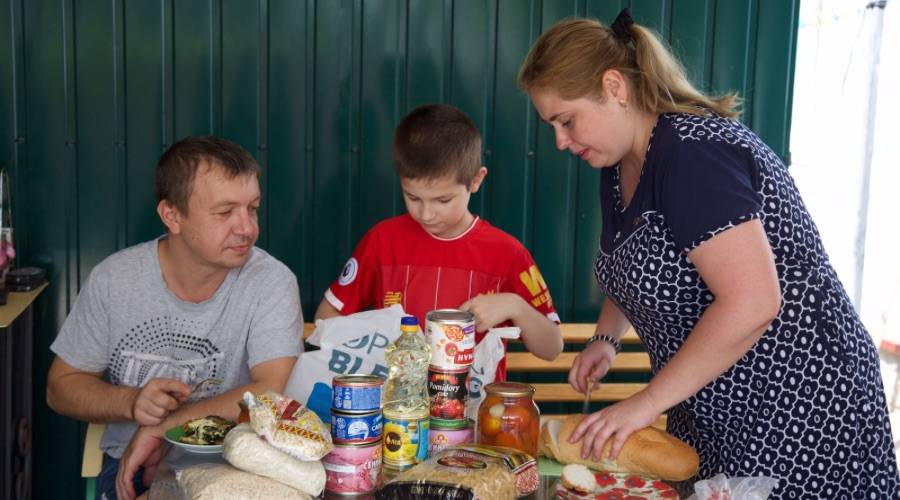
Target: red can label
<point>451,334</point>
<point>448,393</point>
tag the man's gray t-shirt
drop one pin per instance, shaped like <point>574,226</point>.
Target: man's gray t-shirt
<point>128,324</point>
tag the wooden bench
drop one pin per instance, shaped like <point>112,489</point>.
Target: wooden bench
<point>518,365</point>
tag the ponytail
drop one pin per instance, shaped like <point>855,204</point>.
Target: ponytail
<point>572,56</point>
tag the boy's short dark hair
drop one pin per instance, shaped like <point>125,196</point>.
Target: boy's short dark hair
<point>177,167</point>
<point>435,140</point>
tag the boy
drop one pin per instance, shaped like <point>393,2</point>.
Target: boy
<point>440,255</point>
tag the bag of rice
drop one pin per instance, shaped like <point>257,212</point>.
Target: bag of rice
<point>224,482</point>
<point>247,451</point>
<point>467,472</point>
<point>288,425</point>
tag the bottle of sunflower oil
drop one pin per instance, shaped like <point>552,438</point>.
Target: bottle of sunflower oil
<point>406,397</point>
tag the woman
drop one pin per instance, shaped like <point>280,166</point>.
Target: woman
<point>759,359</point>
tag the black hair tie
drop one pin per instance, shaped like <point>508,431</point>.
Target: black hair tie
<point>621,27</point>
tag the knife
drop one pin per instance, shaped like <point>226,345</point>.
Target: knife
<point>585,409</point>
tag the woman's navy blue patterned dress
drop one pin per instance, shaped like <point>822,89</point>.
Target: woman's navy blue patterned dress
<point>806,404</point>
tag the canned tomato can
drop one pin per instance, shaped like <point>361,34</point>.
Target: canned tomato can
<point>438,438</point>
<point>449,395</point>
<point>451,333</point>
<point>356,392</point>
<point>405,439</point>
<point>356,428</point>
<point>352,469</point>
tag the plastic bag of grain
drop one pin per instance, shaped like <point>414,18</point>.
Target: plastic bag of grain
<point>224,482</point>
<point>247,451</point>
<point>467,472</point>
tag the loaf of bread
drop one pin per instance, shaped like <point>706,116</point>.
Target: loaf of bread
<point>649,452</point>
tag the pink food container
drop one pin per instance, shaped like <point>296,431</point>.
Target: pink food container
<point>353,469</point>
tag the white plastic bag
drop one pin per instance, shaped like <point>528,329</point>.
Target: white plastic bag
<point>488,354</point>
<point>720,487</point>
<point>347,344</point>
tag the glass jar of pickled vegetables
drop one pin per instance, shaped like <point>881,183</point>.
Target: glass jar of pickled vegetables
<point>509,417</point>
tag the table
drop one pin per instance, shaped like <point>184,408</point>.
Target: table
<point>165,487</point>
<point>16,346</point>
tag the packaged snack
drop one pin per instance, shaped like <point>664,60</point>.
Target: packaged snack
<point>467,472</point>
<point>288,425</point>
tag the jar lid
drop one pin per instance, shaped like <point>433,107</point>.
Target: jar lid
<point>509,389</point>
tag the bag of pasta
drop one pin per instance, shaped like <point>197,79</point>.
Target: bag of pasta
<point>288,425</point>
<point>466,472</point>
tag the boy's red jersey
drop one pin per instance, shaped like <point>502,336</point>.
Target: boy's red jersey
<point>398,262</point>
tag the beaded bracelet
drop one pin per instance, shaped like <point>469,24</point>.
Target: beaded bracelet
<point>605,338</point>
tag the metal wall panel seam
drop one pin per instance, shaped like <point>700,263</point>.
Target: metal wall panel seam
<point>355,122</point>
<point>447,82</point>
<point>167,79</point>
<point>120,159</point>
<point>537,6</point>
<point>490,100</point>
<point>310,153</point>
<point>216,48</point>
<point>19,123</point>
<point>262,113</point>
<point>401,93</point>
<point>750,75</point>
<point>789,82</point>
<point>70,152</point>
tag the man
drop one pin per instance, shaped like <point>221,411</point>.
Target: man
<point>155,319</point>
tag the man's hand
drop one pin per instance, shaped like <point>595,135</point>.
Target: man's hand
<point>157,399</point>
<point>146,449</point>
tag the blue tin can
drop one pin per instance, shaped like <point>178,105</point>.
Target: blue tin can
<point>356,428</point>
<point>356,393</point>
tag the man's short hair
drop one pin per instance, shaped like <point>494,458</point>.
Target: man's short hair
<point>435,140</point>
<point>178,166</point>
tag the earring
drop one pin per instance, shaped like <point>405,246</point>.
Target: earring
<point>623,104</point>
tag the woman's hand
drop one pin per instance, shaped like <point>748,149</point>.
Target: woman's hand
<point>594,361</point>
<point>615,422</point>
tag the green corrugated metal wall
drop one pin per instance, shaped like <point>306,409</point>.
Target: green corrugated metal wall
<point>93,91</point>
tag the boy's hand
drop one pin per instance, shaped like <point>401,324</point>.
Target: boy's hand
<point>492,310</point>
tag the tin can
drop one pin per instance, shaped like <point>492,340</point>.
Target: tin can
<point>451,334</point>
<point>405,439</point>
<point>438,439</point>
<point>449,396</point>
<point>356,428</point>
<point>353,470</point>
<point>356,392</point>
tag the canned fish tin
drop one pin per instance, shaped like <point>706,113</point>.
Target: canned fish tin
<point>405,439</point>
<point>438,439</point>
<point>356,428</point>
<point>352,470</point>
<point>356,392</point>
<point>451,334</point>
<point>449,396</point>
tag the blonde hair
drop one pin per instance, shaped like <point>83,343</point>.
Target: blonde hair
<point>572,56</point>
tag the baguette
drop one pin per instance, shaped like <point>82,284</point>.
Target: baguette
<point>649,452</point>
